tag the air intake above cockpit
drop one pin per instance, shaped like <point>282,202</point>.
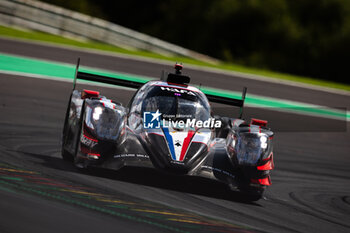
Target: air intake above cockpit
<point>178,78</point>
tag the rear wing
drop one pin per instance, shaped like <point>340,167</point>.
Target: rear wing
<point>104,79</point>
<point>137,84</point>
<point>228,101</point>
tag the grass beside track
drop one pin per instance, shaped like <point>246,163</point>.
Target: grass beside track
<point>40,36</point>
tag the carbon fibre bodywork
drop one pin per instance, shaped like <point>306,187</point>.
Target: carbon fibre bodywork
<point>100,132</point>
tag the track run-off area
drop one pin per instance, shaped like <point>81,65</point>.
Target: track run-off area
<point>41,192</point>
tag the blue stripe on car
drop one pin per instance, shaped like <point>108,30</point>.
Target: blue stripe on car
<point>170,142</point>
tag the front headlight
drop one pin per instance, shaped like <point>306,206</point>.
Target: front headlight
<point>97,113</point>
<point>106,123</point>
<point>263,142</point>
<point>249,148</point>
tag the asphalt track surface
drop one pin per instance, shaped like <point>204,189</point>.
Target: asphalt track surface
<point>41,193</point>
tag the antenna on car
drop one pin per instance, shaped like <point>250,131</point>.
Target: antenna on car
<point>76,73</point>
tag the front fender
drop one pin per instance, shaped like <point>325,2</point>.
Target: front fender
<point>105,121</point>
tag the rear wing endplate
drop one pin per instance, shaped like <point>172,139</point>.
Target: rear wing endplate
<point>103,79</point>
<point>229,101</point>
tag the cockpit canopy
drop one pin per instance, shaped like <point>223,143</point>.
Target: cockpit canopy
<point>173,102</point>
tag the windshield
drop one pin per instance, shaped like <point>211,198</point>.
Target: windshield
<point>175,103</point>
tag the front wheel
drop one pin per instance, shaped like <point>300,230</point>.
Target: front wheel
<point>253,193</point>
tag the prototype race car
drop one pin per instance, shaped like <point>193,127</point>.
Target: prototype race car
<point>168,125</point>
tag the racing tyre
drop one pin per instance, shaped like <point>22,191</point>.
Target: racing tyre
<point>252,193</point>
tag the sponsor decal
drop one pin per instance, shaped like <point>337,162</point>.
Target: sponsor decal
<point>178,143</point>
<point>88,141</point>
<point>214,169</point>
<point>178,90</point>
<point>131,156</point>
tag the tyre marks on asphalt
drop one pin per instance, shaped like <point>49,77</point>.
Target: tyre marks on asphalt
<point>320,205</point>
<point>21,180</point>
<point>31,125</point>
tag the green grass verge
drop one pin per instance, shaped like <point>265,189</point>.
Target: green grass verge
<point>40,36</point>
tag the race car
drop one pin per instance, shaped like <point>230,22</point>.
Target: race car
<point>168,125</point>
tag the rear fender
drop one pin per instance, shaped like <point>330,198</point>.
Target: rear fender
<point>250,149</point>
<point>249,145</point>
